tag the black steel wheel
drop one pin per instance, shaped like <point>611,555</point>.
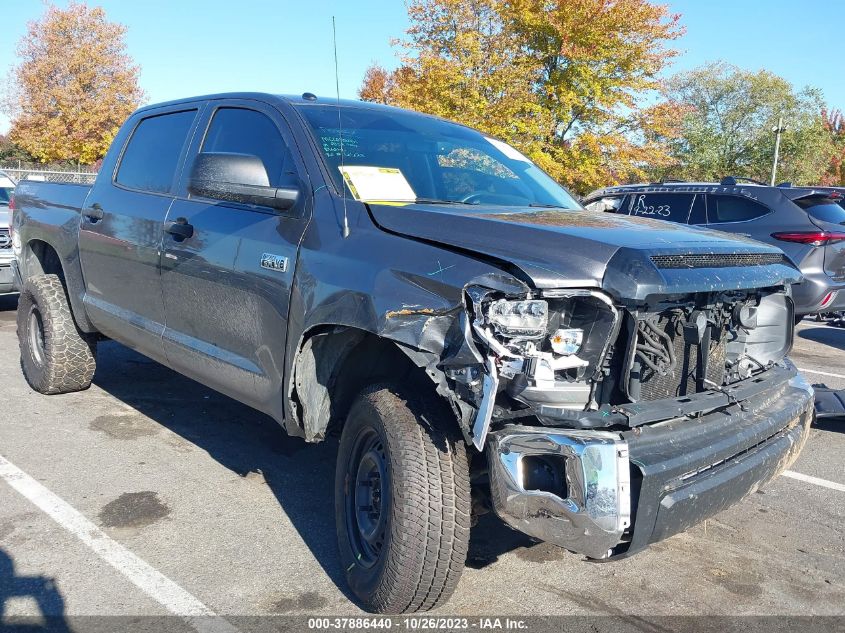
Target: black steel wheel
<point>402,502</point>
<point>367,502</point>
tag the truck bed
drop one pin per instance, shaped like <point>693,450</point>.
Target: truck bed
<point>49,212</point>
<point>37,196</point>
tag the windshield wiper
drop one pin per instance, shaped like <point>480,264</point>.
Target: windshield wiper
<point>438,201</point>
<point>547,206</point>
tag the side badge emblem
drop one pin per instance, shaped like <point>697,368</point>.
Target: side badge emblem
<point>274,262</point>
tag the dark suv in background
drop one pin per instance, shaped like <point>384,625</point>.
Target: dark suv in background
<point>807,223</point>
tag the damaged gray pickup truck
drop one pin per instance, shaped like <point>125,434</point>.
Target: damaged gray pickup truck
<point>475,338</point>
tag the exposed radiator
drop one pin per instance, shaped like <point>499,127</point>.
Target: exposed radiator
<point>680,379</point>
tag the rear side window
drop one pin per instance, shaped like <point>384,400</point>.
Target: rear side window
<point>242,131</point>
<point>150,160</point>
<point>823,210</point>
<point>674,207</point>
<point>734,209</point>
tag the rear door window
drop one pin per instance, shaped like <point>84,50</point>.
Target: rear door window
<point>674,207</point>
<point>723,209</point>
<point>152,156</point>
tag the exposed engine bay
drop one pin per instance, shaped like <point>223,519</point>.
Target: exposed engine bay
<point>573,359</point>
<point>579,395</point>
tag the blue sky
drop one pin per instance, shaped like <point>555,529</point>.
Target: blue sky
<point>190,47</point>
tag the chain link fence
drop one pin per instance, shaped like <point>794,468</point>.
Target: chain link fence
<point>23,171</point>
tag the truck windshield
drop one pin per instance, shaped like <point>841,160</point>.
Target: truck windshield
<point>396,156</point>
<point>5,195</point>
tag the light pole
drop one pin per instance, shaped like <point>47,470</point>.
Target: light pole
<point>778,131</point>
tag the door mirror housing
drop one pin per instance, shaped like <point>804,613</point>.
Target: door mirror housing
<point>238,178</point>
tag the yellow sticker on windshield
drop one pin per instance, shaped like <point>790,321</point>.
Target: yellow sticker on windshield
<point>377,183</point>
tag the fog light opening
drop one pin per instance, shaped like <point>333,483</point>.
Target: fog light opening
<point>545,473</point>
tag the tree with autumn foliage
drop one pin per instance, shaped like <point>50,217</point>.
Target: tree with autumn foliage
<point>74,86</point>
<point>562,80</point>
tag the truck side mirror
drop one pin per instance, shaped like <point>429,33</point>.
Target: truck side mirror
<point>238,178</point>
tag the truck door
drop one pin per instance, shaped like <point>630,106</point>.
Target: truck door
<point>121,229</point>
<point>226,278</point>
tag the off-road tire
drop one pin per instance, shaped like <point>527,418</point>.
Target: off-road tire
<point>56,357</point>
<point>426,510</point>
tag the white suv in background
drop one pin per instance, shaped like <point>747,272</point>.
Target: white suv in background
<point>7,186</point>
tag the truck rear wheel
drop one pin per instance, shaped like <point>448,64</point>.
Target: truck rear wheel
<point>402,503</point>
<point>56,357</point>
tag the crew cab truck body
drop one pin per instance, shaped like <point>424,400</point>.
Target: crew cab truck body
<point>601,382</point>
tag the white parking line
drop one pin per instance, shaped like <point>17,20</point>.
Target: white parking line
<point>149,580</point>
<point>824,483</point>
<point>821,373</point>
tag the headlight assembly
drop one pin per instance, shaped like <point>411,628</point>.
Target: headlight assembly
<point>567,342</point>
<point>561,335</point>
<point>524,320</point>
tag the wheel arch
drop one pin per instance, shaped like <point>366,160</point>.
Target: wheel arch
<point>41,257</point>
<point>334,363</point>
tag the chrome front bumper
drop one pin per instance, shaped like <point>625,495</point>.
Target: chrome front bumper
<point>625,490</point>
<point>596,510</point>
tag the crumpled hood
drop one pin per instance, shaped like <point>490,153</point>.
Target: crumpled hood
<point>559,248</point>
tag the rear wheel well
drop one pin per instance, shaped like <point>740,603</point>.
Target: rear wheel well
<point>42,259</point>
<point>334,365</point>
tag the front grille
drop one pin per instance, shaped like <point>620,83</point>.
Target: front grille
<point>5,239</point>
<point>717,260</point>
<point>680,380</point>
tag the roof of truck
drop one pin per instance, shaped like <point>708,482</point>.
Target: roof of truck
<point>269,97</point>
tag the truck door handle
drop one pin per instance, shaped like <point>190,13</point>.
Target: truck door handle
<point>180,229</point>
<point>94,213</point>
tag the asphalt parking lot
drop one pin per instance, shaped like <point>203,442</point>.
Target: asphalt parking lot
<point>214,499</point>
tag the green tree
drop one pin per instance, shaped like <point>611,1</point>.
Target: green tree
<point>74,86</point>
<point>728,121</point>
<point>11,153</point>
<point>562,80</point>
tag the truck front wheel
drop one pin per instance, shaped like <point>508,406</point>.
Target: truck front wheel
<point>56,356</point>
<point>402,502</point>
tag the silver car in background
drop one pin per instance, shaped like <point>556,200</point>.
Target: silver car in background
<point>806,223</point>
<point>7,186</point>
